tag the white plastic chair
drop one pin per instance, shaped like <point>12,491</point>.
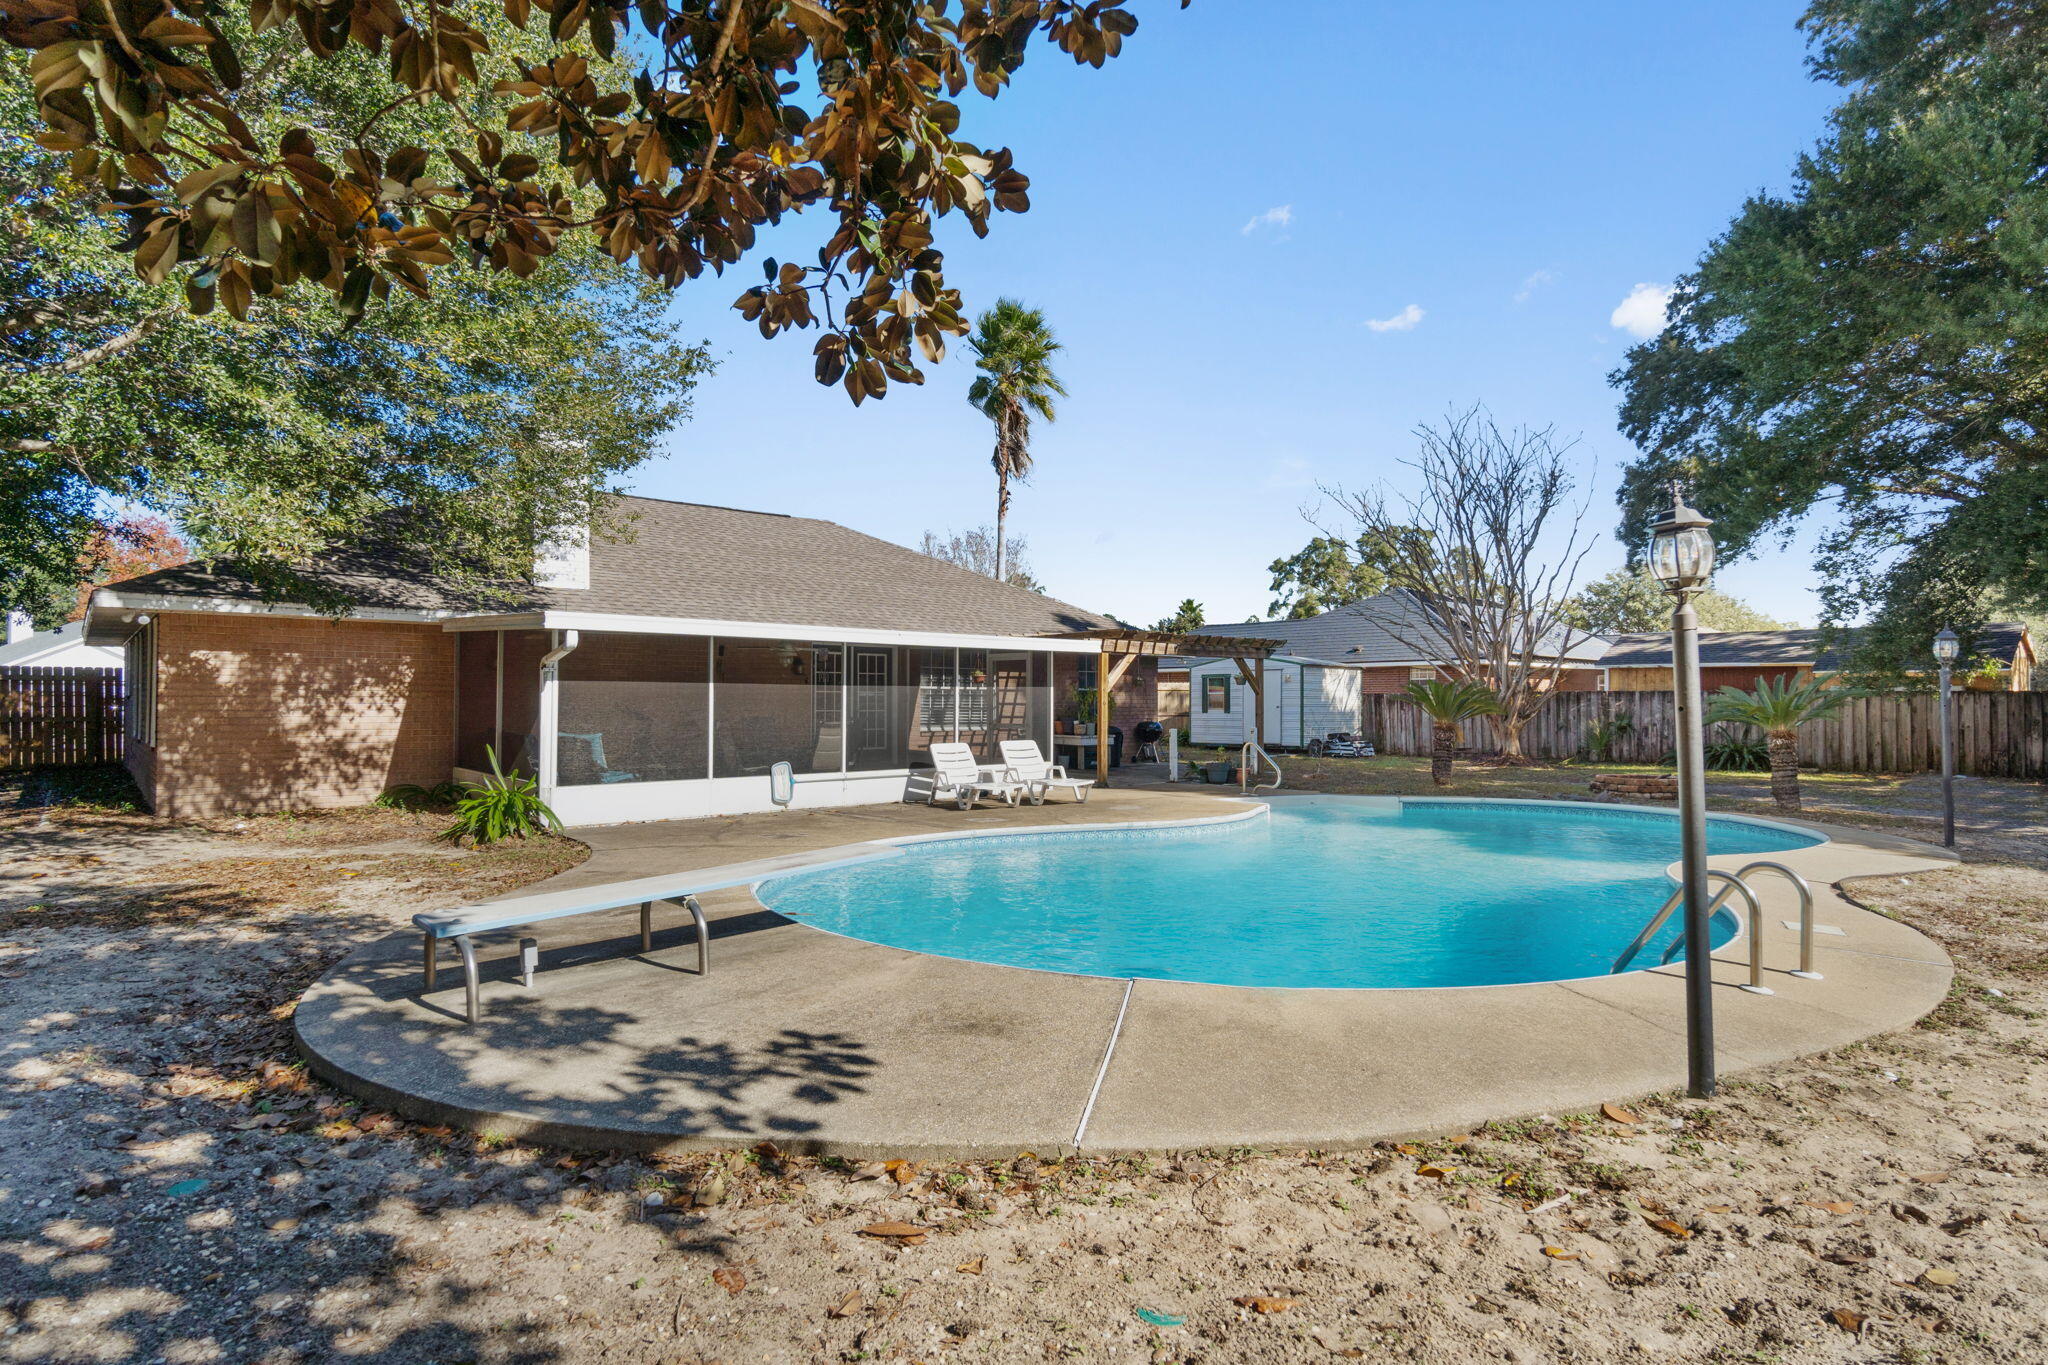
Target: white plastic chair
<point>1028,764</point>
<point>956,775</point>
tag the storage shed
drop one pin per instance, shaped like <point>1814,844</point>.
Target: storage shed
<point>1305,699</point>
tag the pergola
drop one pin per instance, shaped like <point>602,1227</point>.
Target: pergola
<point>1121,646</point>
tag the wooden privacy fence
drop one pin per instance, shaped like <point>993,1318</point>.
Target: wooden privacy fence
<point>1998,734</point>
<point>57,716</point>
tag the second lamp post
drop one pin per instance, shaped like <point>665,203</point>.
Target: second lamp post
<point>1682,558</point>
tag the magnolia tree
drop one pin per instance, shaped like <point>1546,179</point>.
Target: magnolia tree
<point>1487,552</point>
<point>722,117</point>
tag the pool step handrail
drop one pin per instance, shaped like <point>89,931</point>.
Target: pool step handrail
<point>1805,891</point>
<point>1246,757</point>
<point>1731,884</point>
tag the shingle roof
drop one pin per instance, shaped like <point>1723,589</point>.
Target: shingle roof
<point>1824,650</point>
<point>1390,628</point>
<point>691,560</point>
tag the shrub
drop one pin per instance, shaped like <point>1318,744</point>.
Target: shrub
<point>413,796</point>
<point>500,807</point>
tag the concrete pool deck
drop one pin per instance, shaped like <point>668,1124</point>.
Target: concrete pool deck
<point>827,1044</point>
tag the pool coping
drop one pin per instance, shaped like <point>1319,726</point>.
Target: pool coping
<point>1117,1063</point>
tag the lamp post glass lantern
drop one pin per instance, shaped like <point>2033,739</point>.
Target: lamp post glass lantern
<point>1682,558</point>
<point>1946,647</point>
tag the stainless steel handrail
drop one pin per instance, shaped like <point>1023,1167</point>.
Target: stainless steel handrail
<point>1755,985</point>
<point>1664,913</point>
<point>1805,911</point>
<point>1244,768</point>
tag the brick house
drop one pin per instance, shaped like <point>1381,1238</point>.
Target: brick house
<point>658,676</point>
<point>1744,658</point>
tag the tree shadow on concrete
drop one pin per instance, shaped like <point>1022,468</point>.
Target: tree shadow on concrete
<point>181,1189</point>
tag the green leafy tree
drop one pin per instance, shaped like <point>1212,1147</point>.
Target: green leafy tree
<point>1874,340</point>
<point>490,410</point>
<point>1013,348</point>
<point>1449,705</point>
<point>1327,573</point>
<point>720,118</point>
<point>1629,601</point>
<point>1186,617</point>
<point>1779,707</point>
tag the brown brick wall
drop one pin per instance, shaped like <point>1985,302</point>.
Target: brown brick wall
<point>1135,699</point>
<point>1384,680</point>
<point>277,713</point>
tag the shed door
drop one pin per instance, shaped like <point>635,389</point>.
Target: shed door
<point>1278,685</point>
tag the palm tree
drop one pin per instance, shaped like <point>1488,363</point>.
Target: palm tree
<point>1449,705</point>
<point>1779,707</point>
<point>1013,348</point>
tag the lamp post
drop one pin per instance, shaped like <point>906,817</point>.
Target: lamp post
<point>1682,558</point>
<point>1946,647</point>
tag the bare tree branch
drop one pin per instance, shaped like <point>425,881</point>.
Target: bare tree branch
<point>1477,552</point>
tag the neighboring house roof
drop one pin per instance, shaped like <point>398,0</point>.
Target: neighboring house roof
<point>697,562</point>
<point>1822,650</point>
<point>66,640</point>
<point>1391,628</point>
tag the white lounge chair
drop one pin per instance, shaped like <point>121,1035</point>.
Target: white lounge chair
<point>957,776</point>
<point>1027,763</point>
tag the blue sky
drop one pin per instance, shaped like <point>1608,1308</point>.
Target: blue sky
<point>1219,219</point>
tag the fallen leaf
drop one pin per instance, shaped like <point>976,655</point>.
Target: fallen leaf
<point>1931,1177</point>
<point>1671,1228</point>
<point>1408,1149</point>
<point>1260,1303</point>
<point>869,1170</point>
<point>1940,1275</point>
<point>1831,1205</point>
<point>1560,1254</point>
<point>1849,1322</point>
<point>1618,1114</point>
<point>729,1279</point>
<point>906,1232</point>
<point>1437,1172</point>
<point>973,1267</point>
<point>1720,1208</point>
<point>903,1171</point>
<point>847,1306</point>
<point>1330,1342</point>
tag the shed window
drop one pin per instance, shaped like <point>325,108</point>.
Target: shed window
<point>1215,692</point>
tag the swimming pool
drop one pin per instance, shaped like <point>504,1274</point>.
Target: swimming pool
<point>1323,892</point>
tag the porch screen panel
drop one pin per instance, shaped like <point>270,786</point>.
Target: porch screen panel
<point>1004,695</point>
<point>519,735</point>
<point>778,701</point>
<point>899,700</point>
<point>633,708</point>
<point>476,697</point>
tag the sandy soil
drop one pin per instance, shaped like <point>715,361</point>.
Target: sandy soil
<point>174,1189</point>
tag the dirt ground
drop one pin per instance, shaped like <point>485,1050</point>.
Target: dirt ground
<point>174,1189</point>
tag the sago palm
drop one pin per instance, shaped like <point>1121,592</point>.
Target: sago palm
<point>1449,705</point>
<point>1778,707</point>
<point>1013,349</point>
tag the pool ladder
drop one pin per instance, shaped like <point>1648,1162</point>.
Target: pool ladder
<point>1245,758</point>
<point>1734,884</point>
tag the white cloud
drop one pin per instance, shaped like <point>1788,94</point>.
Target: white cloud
<point>1279,216</point>
<point>1641,314</point>
<point>1537,279</point>
<point>1403,321</point>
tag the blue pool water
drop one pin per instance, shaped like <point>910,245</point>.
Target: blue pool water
<point>1324,892</point>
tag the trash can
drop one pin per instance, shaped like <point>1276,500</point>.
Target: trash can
<point>1116,747</point>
